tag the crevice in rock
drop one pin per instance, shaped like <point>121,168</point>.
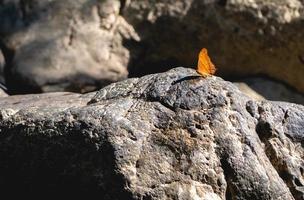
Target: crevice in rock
<point>266,132</point>
<point>71,36</point>
<point>286,115</point>
<point>251,108</point>
<point>228,172</point>
<point>152,99</point>
<point>123,4</point>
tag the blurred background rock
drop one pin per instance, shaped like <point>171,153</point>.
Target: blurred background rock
<point>2,63</point>
<point>83,45</point>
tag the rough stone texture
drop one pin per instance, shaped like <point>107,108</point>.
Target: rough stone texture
<point>71,45</point>
<point>271,90</point>
<point>79,45</point>
<point>244,37</point>
<point>173,135</point>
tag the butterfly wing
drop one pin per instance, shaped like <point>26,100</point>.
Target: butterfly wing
<point>205,66</point>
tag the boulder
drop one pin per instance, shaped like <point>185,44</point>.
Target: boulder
<point>80,45</point>
<point>173,135</point>
<point>64,45</point>
<point>244,37</point>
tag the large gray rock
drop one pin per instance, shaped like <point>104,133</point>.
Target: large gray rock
<point>173,135</point>
<point>78,45</point>
<point>244,37</point>
<point>72,45</point>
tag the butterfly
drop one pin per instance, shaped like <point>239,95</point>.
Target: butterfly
<point>204,66</point>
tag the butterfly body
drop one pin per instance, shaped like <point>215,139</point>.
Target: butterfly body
<point>204,66</point>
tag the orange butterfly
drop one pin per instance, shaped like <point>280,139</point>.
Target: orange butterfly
<point>204,66</point>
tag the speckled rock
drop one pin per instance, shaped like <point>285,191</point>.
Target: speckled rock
<point>173,135</point>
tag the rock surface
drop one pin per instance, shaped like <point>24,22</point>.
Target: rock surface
<point>79,45</point>
<point>270,90</point>
<point>173,135</point>
<point>64,45</point>
<point>244,37</point>
<point>3,93</point>
<point>243,87</point>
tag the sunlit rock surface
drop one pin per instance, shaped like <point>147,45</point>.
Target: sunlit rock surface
<point>173,135</point>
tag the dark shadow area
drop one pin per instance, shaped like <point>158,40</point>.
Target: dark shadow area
<point>16,16</point>
<point>176,41</point>
<point>140,66</point>
<point>145,58</point>
<point>78,83</point>
<point>185,79</point>
<point>270,88</point>
<point>8,55</point>
<point>64,163</point>
<point>167,41</point>
<point>229,172</point>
